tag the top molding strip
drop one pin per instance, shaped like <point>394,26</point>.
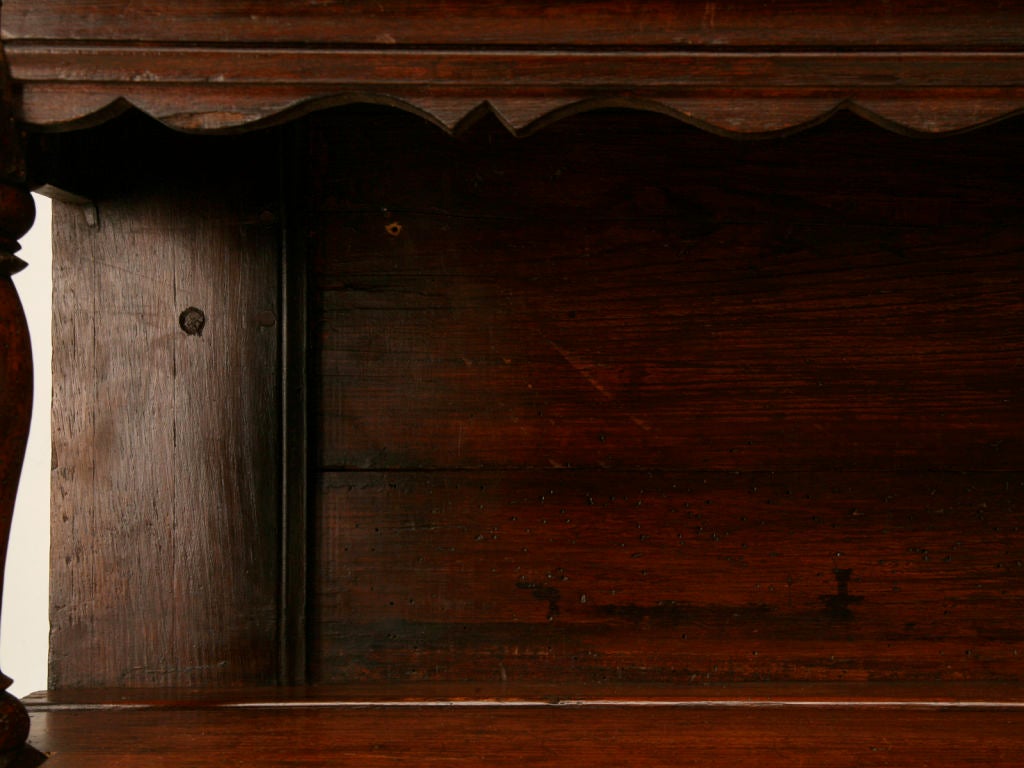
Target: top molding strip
<point>948,24</point>
<point>738,68</point>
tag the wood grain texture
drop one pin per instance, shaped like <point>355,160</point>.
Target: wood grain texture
<point>605,413</point>
<point>873,24</point>
<point>589,577</point>
<point>164,543</point>
<point>353,694</point>
<point>829,301</point>
<point>723,729</point>
<point>735,94</point>
<point>626,401</point>
<point>731,67</point>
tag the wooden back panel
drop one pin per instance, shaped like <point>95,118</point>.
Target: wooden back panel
<point>619,401</point>
<point>627,401</point>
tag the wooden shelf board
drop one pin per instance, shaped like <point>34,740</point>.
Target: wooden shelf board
<point>467,725</point>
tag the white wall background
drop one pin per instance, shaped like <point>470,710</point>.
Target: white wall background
<point>24,626</point>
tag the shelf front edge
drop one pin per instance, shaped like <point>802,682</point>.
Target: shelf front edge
<point>856,725</point>
<point>228,88</point>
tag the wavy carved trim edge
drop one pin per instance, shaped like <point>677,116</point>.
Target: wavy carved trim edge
<point>745,117</point>
<point>64,86</point>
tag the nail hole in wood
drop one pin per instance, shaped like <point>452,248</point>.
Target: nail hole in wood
<point>192,321</point>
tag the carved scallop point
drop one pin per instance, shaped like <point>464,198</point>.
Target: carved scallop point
<point>752,118</point>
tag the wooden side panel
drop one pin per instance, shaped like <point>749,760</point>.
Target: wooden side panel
<point>627,401</point>
<point>227,428</point>
<point>165,501</point>
<point>111,612</point>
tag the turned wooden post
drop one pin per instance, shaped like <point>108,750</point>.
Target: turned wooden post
<point>16,214</point>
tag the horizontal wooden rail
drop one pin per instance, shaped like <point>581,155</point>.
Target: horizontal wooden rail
<point>763,725</point>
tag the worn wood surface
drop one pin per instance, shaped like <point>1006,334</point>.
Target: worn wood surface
<point>223,89</point>
<point>585,577</point>
<point>352,694</point>
<point>845,23</point>
<point>662,350</point>
<point>618,403</point>
<point>165,516</point>
<point>719,727</point>
<point>628,401</point>
<point>830,301</point>
<point>740,67</point>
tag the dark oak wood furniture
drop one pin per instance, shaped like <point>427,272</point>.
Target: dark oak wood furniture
<point>524,383</point>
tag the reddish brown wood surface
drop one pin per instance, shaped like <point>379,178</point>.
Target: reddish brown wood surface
<point>723,728</point>
<point>618,402</point>
<point>955,23</point>
<point>354,694</point>
<point>668,578</point>
<point>15,414</point>
<point>693,410</point>
<point>16,397</point>
<point>221,89</point>
<point>16,214</point>
<point>625,292</point>
<point>736,66</point>
<point>699,351</point>
<point>165,512</point>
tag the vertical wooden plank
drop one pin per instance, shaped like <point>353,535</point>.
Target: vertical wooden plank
<point>226,434</point>
<point>111,613</point>
<point>166,495</point>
